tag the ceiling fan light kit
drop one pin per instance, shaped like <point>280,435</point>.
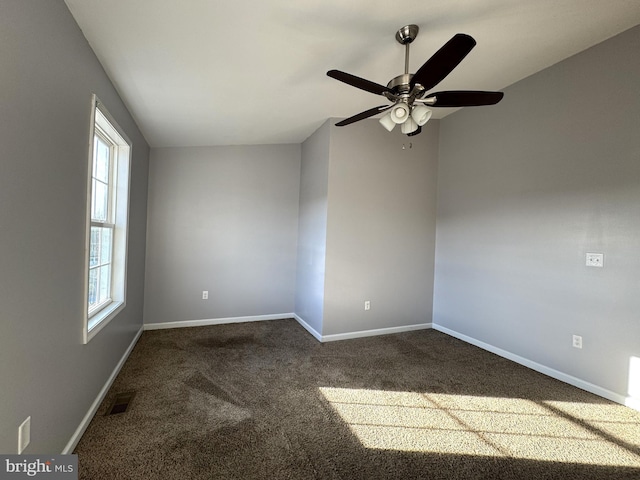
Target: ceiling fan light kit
<point>400,113</point>
<point>421,114</point>
<point>409,126</point>
<point>408,91</point>
<point>387,122</point>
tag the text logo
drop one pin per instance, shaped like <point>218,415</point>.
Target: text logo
<point>52,467</point>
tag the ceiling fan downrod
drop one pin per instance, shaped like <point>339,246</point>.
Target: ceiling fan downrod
<point>400,86</point>
<point>405,36</point>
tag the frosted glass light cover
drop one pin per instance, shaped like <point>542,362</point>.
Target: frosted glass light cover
<point>421,114</point>
<point>387,122</point>
<point>400,113</point>
<point>409,126</point>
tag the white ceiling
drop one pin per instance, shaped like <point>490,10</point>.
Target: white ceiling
<point>207,72</point>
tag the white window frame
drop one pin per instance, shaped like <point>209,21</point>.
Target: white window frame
<point>103,125</point>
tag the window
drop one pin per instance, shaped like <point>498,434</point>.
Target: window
<point>107,219</point>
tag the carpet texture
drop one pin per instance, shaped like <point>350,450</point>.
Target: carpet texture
<point>265,400</point>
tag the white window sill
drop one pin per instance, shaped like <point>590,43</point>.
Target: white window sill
<point>101,319</point>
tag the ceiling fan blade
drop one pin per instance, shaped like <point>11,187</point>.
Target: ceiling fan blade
<point>358,82</point>
<point>362,115</point>
<point>465,98</point>
<point>415,132</point>
<point>443,61</point>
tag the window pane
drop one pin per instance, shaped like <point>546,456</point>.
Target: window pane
<point>94,248</point>
<point>99,202</point>
<point>95,154</point>
<point>93,288</point>
<point>105,283</point>
<point>105,247</point>
<point>101,160</point>
<point>93,199</point>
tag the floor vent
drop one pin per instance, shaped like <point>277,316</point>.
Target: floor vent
<point>120,404</point>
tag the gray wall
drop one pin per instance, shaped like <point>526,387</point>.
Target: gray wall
<point>527,188</point>
<point>312,227</point>
<point>47,76</point>
<point>222,219</point>
<point>380,227</point>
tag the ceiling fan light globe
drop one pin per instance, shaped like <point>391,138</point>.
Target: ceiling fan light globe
<point>421,114</point>
<point>400,113</point>
<point>409,126</point>
<point>387,122</point>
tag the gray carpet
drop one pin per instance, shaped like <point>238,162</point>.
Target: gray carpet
<point>265,400</point>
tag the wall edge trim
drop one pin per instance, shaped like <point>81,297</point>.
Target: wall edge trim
<point>540,368</point>
<point>216,321</point>
<point>77,435</point>
<point>375,332</point>
<point>308,327</point>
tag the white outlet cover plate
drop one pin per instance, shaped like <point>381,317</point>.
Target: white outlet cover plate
<point>577,341</point>
<point>595,260</point>
<point>24,435</point>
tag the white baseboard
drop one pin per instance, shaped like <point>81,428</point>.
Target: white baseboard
<point>75,438</point>
<point>216,321</point>
<point>558,375</point>
<point>375,332</point>
<point>308,327</point>
<point>360,334</point>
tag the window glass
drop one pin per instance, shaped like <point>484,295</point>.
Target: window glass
<point>102,160</point>
<point>93,288</point>
<point>94,251</point>
<point>100,201</point>
<point>105,245</point>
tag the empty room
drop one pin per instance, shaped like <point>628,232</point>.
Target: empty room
<point>320,240</point>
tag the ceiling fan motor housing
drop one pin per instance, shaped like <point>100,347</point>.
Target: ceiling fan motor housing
<point>401,84</point>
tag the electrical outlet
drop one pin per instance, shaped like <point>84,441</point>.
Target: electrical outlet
<point>367,305</point>
<point>205,294</point>
<point>24,435</point>
<point>577,341</point>
<point>595,260</point>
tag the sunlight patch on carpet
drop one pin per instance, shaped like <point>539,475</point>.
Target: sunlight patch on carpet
<point>551,431</point>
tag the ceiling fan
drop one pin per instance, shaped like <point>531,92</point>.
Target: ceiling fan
<point>408,91</point>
